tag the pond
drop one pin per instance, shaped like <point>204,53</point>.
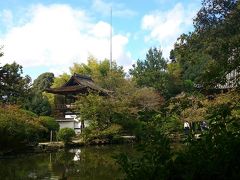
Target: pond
<point>94,162</point>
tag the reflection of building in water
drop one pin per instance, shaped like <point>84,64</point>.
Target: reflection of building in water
<point>77,155</point>
<point>65,97</point>
<point>77,152</point>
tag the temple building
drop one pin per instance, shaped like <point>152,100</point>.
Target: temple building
<point>66,95</point>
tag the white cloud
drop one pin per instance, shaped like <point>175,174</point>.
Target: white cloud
<point>101,30</point>
<point>58,35</point>
<point>165,27</point>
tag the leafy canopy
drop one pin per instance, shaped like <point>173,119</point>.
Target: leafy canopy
<point>151,72</point>
<point>14,87</point>
<point>208,54</point>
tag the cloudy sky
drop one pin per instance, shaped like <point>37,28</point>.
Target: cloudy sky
<point>50,35</point>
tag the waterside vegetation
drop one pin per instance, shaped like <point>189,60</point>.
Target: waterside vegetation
<point>198,85</point>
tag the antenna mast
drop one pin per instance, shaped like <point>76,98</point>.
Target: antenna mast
<point>110,60</point>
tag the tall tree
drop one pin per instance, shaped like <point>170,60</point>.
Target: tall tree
<point>212,51</point>
<point>217,23</point>
<point>43,82</point>
<point>38,102</point>
<point>60,80</point>
<point>151,72</point>
<point>100,72</point>
<point>15,87</point>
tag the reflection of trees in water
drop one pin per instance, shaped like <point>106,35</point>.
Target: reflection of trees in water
<point>25,167</point>
<point>85,163</point>
<point>89,163</point>
<point>62,162</point>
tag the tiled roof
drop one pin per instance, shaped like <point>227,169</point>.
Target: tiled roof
<point>78,84</point>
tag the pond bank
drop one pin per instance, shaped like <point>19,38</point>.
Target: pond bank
<point>48,147</point>
<point>53,146</point>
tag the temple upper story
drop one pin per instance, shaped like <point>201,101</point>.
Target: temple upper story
<point>78,84</point>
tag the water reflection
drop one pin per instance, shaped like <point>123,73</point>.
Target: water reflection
<point>85,163</point>
<point>77,154</point>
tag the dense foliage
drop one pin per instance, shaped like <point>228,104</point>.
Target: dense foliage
<point>122,107</point>
<point>152,71</point>
<point>51,125</point>
<point>214,155</point>
<point>43,82</point>
<point>14,87</point>
<point>39,104</point>
<point>37,101</point>
<point>100,72</point>
<point>107,136</point>
<point>18,128</point>
<point>203,58</point>
<point>151,105</point>
<point>209,53</point>
<point>66,135</point>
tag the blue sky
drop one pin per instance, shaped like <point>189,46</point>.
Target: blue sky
<point>50,35</point>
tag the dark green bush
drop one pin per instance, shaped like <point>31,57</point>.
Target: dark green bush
<point>49,122</point>
<point>212,156</point>
<point>51,125</point>
<point>18,128</point>
<point>215,155</point>
<point>66,134</point>
<point>154,157</point>
<point>92,135</point>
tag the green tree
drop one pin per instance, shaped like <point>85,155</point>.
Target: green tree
<point>214,155</point>
<point>15,87</point>
<point>66,134</point>
<point>100,72</point>
<point>154,157</point>
<point>38,102</point>
<point>60,80</point>
<point>192,62</point>
<point>95,109</point>
<point>211,51</point>
<point>18,128</point>
<point>51,125</point>
<point>43,82</point>
<point>223,38</point>
<point>91,68</point>
<point>123,108</point>
<point>174,81</point>
<point>49,122</point>
<point>152,71</point>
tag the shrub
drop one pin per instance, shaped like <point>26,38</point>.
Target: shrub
<point>18,127</point>
<point>94,135</point>
<point>50,124</point>
<point>213,156</point>
<point>66,134</point>
<point>154,155</point>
